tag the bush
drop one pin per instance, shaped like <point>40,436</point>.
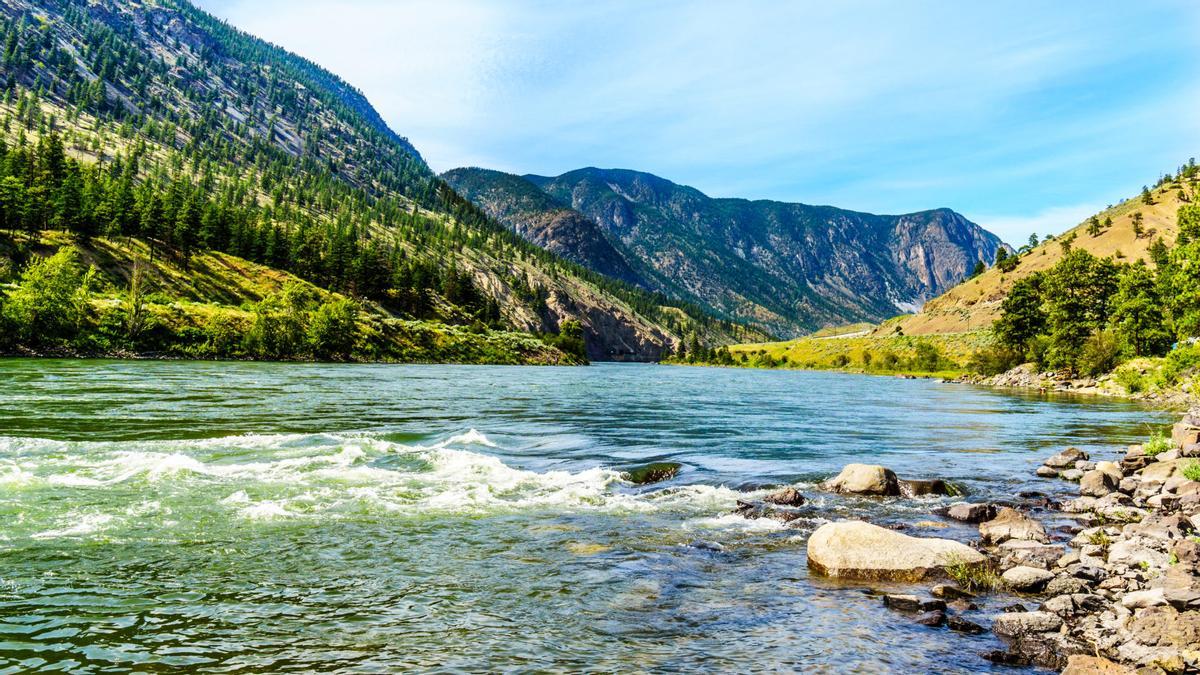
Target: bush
<point>888,360</point>
<point>841,361</point>
<point>50,304</point>
<point>333,330</point>
<point>1158,444</point>
<point>1131,379</point>
<point>1180,363</point>
<point>927,357</point>
<point>1100,354</point>
<point>995,360</point>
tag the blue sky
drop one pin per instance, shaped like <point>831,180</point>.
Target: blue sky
<point>1024,116</point>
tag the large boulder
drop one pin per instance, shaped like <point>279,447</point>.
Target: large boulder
<point>1160,472</point>
<point>1012,524</point>
<point>852,549</point>
<point>864,479</point>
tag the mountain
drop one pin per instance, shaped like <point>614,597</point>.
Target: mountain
<point>785,268</point>
<point>1125,232</point>
<point>152,121</point>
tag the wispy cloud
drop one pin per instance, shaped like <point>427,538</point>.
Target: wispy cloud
<point>1003,109</point>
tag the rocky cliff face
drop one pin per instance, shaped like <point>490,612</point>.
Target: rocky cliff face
<point>786,268</point>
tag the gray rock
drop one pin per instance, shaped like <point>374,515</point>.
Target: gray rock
<point>971,513</point>
<point>1012,524</point>
<point>935,618</point>
<point>1062,605</point>
<point>1181,587</point>
<point>1073,475</point>
<point>857,550</point>
<point>903,603</point>
<point>864,479</point>
<point>922,488</point>
<point>1026,579</point>
<point>948,592</point>
<point>1097,483</point>
<point>1141,599</point>
<point>1017,624</point>
<point>957,623</point>
<point>1046,472</point>
<point>785,497</point>
<point>1066,458</point>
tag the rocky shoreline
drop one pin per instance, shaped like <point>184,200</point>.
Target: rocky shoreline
<point>1121,596</point>
<point>1027,377</point>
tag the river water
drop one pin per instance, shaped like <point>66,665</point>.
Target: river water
<point>251,517</point>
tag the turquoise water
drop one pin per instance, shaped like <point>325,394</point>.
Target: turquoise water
<point>242,517</point>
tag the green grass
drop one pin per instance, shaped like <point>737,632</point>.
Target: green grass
<point>973,577</point>
<point>1158,444</point>
<point>1191,471</point>
<point>872,354</point>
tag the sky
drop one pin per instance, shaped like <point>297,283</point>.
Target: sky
<point>1026,117</point>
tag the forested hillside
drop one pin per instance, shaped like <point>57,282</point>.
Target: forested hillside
<point>157,125</point>
<point>786,268</point>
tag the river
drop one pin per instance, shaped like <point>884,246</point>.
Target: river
<point>273,517</point>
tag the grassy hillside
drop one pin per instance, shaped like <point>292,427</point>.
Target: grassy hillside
<point>975,303</point>
<point>119,299</point>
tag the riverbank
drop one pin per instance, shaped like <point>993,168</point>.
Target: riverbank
<point>1110,586</point>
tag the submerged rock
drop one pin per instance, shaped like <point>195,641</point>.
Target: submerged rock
<point>921,488</point>
<point>957,623</point>
<point>971,513</point>
<point>864,479</point>
<point>655,472</point>
<point>857,550</point>
<point>785,497</point>
<point>755,510</point>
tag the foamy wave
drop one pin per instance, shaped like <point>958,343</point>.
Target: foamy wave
<point>269,477</point>
<point>77,525</point>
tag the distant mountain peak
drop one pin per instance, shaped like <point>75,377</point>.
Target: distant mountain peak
<point>785,267</point>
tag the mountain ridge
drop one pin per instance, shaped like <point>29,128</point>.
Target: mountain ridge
<point>784,267</point>
<point>202,137</point>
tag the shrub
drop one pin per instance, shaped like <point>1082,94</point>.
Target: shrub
<point>927,357</point>
<point>1180,363</point>
<point>840,361</point>
<point>1131,379</point>
<point>995,360</point>
<point>1100,354</point>
<point>333,330</point>
<point>1158,444</point>
<point>50,304</point>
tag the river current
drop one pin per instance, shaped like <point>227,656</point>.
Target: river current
<point>255,517</point>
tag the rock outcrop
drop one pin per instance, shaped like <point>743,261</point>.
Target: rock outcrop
<point>858,550</point>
